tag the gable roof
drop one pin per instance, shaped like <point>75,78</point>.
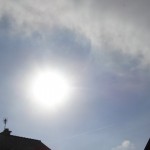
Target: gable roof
<point>147,147</point>
<point>11,142</point>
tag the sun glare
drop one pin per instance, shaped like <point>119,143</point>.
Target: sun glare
<point>49,88</point>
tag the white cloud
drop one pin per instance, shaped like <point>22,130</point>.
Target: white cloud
<point>126,145</point>
<point>122,25</point>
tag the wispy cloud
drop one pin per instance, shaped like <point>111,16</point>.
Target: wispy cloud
<point>121,25</point>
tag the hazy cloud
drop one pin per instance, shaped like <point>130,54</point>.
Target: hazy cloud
<point>121,25</point>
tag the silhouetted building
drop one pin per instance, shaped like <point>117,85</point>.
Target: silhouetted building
<point>11,142</point>
<point>147,147</point>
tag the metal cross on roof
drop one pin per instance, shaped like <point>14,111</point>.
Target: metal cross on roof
<point>5,122</point>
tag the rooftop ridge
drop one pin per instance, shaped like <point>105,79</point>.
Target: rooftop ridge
<point>15,136</point>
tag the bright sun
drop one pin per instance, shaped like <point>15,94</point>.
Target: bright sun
<point>49,88</point>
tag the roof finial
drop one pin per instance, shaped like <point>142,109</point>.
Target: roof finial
<point>5,122</point>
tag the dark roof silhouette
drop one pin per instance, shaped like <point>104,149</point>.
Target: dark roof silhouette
<point>147,147</point>
<point>11,142</point>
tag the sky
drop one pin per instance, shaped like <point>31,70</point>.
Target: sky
<point>102,47</point>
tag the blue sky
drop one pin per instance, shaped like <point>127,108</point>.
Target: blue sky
<point>103,46</point>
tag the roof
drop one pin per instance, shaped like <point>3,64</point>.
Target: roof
<point>11,142</point>
<point>147,147</point>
